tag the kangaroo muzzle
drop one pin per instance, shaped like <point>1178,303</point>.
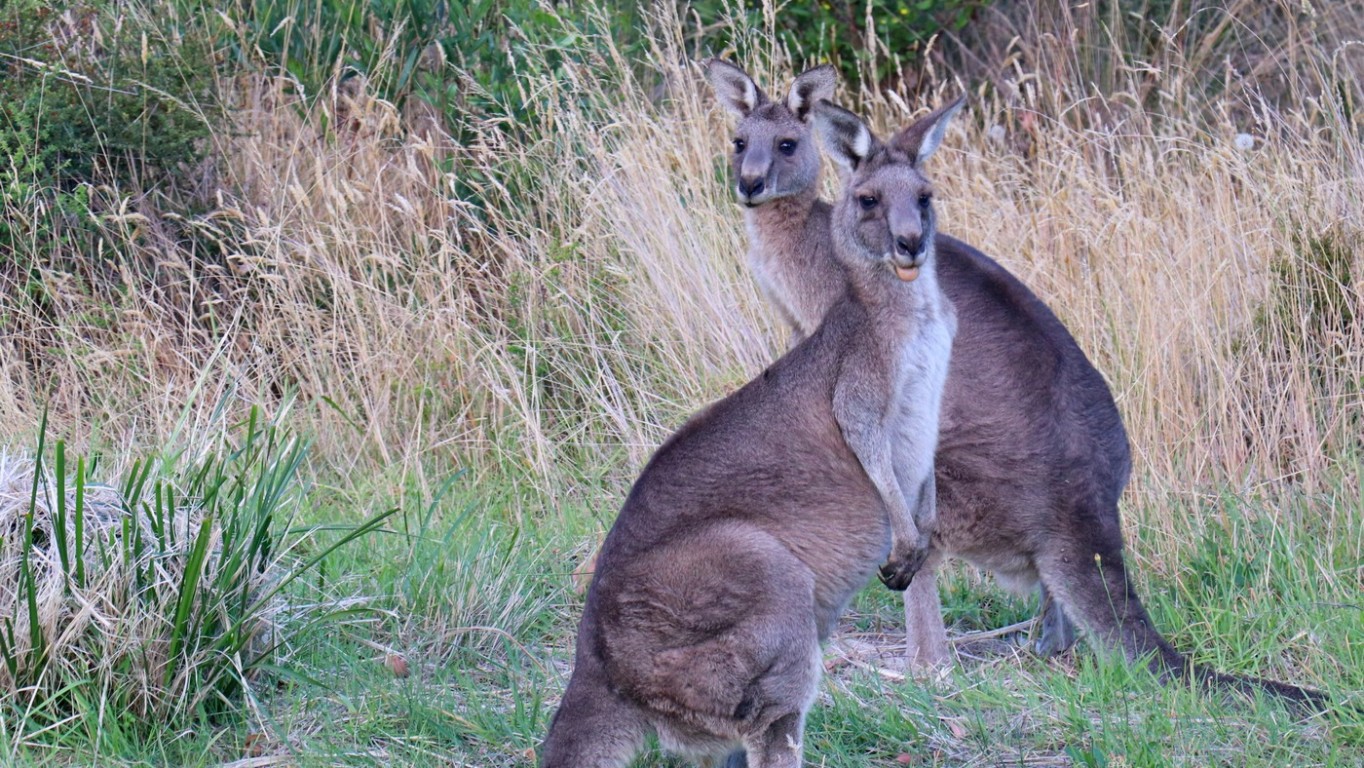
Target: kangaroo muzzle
<point>750,188</point>
<point>907,257</point>
<point>752,171</point>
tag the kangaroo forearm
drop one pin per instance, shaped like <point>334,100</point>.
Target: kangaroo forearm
<point>902,525</point>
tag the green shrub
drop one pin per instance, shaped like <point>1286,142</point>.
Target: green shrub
<point>465,59</point>
<point>92,93</point>
<point>837,31</point>
<point>105,113</point>
<point>101,104</point>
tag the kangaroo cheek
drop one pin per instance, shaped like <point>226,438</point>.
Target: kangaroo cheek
<point>869,237</point>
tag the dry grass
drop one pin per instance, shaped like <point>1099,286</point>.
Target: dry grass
<point>593,292</point>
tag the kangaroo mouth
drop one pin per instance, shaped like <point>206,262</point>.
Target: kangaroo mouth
<point>906,266</point>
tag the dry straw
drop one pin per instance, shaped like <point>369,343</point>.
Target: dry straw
<point>560,296</point>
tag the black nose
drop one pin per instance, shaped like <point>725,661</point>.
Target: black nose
<point>909,246</point>
<point>751,187</point>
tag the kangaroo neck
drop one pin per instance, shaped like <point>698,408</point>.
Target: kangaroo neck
<point>777,217</point>
<point>876,288</point>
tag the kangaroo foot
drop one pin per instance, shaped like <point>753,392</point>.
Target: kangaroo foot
<point>1055,633</point>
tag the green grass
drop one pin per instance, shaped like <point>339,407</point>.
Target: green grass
<point>471,585</point>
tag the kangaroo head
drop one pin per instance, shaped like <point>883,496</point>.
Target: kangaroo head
<point>885,214</point>
<point>774,155</point>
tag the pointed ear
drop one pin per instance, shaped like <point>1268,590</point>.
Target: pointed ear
<point>734,88</point>
<point>846,138</point>
<point>923,137</point>
<point>813,86</point>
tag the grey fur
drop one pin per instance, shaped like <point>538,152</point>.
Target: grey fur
<point>1032,455</point>
<point>751,527</point>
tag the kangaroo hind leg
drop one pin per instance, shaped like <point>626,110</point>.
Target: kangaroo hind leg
<point>1089,579</point>
<point>779,746</point>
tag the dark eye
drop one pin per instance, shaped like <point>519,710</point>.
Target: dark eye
<point>787,147</point>
<point>925,200</point>
<point>868,202</point>
<point>739,145</point>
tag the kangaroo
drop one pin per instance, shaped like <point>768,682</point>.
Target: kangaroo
<point>776,168</point>
<point>1032,455</point>
<point>750,528</point>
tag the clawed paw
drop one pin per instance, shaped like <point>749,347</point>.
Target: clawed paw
<point>899,571</point>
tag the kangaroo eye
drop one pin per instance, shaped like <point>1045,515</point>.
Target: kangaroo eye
<point>925,200</point>
<point>868,202</point>
<point>739,145</point>
<point>787,147</point>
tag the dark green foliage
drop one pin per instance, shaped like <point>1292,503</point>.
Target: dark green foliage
<point>467,60</point>
<point>837,31</point>
<point>91,95</point>
<point>99,103</point>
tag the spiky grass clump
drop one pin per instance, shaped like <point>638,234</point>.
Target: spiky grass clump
<point>160,598</point>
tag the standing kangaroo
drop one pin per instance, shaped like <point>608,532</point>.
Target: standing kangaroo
<point>749,530</point>
<point>1032,455</point>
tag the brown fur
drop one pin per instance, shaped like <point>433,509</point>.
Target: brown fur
<point>1032,455</point>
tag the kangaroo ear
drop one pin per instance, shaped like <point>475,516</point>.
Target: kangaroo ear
<point>923,137</point>
<point>734,88</point>
<point>813,86</point>
<point>846,138</point>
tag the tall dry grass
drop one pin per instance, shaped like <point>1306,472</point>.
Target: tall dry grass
<point>565,298</point>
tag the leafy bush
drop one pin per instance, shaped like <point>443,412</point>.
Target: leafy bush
<point>162,596</point>
<point>466,60</point>
<point>91,93</point>
<point>869,41</point>
<point>100,103</point>
<point>105,147</point>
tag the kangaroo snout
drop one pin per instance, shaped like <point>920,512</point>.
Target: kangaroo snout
<point>910,246</point>
<point>750,187</point>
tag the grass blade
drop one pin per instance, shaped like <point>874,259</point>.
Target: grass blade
<point>189,589</point>
<point>78,538</point>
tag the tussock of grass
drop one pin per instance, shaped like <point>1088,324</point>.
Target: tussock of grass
<point>159,599</point>
<point>103,584</point>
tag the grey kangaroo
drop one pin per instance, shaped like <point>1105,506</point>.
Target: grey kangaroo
<point>750,528</point>
<point>1032,455</point>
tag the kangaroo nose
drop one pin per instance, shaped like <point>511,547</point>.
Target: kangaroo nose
<point>751,187</point>
<point>909,246</point>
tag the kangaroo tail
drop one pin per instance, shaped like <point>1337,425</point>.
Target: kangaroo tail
<point>1097,594</point>
<point>1303,701</point>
